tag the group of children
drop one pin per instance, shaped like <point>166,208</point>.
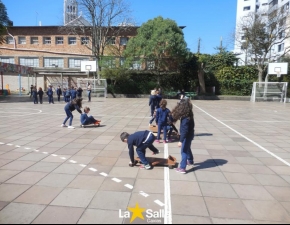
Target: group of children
<point>68,94</point>
<point>144,139</point>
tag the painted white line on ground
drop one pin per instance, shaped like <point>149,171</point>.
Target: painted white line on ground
<point>93,169</point>
<point>116,180</point>
<point>27,148</point>
<point>72,161</point>
<point>63,158</point>
<point>1,143</point>
<point>83,165</point>
<point>161,204</point>
<point>128,186</point>
<point>36,150</point>
<point>28,114</point>
<point>54,155</point>
<point>259,146</point>
<point>104,174</point>
<point>143,194</point>
<point>9,144</point>
<point>256,121</point>
<point>46,153</point>
<point>167,194</point>
<point>17,146</point>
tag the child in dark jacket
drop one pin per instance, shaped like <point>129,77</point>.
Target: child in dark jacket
<point>50,95</point>
<point>75,104</point>
<point>87,120</point>
<point>152,102</point>
<point>79,92</point>
<point>40,94</point>
<point>34,95</point>
<point>183,112</point>
<point>73,93</point>
<point>142,140</point>
<point>162,115</point>
<point>58,92</point>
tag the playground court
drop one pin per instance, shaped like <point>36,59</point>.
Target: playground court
<point>50,174</point>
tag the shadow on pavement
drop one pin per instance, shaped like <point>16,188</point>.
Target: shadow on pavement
<point>203,134</point>
<point>209,163</point>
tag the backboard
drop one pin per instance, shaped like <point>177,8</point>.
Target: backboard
<point>88,66</point>
<point>278,68</point>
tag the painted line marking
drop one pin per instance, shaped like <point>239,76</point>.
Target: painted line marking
<point>93,169</point>
<point>27,148</point>
<point>83,165</point>
<point>54,155</point>
<point>9,144</point>
<point>104,174</point>
<point>167,193</point>
<point>116,180</point>
<point>160,203</point>
<point>63,158</point>
<point>259,146</point>
<point>1,143</point>
<point>128,186</point>
<point>17,146</point>
<point>72,161</point>
<point>143,194</point>
<point>36,150</point>
<point>46,153</point>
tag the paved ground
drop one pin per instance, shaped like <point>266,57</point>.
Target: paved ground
<point>50,174</point>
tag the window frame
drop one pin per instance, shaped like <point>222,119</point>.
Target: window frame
<point>59,40</point>
<point>70,42</point>
<point>47,40</point>
<point>20,39</point>
<point>32,41</point>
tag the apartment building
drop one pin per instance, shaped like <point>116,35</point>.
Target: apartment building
<point>264,7</point>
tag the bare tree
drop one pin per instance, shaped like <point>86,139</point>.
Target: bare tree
<point>258,35</point>
<point>108,19</point>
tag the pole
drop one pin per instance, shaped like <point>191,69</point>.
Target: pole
<point>19,81</point>
<point>61,80</point>
<point>2,83</point>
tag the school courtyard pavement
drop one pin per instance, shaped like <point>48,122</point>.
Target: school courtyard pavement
<point>50,174</point>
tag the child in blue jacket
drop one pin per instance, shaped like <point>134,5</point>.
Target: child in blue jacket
<point>142,140</point>
<point>34,95</point>
<point>87,120</point>
<point>152,102</point>
<point>50,95</point>
<point>75,104</point>
<point>183,112</point>
<point>162,115</point>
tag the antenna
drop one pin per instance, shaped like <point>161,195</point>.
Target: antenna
<point>36,18</point>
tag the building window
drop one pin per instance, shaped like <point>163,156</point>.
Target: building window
<point>136,65</point>
<point>85,40</point>
<point>34,40</point>
<point>72,40</point>
<point>75,63</point>
<point>247,8</point>
<point>124,40</point>
<point>22,40</point>
<point>150,65</point>
<point>31,62</point>
<point>281,47</point>
<point>59,40</point>
<point>10,40</point>
<point>111,40</point>
<point>122,61</point>
<point>47,40</point>
<point>108,62</point>
<point>53,62</point>
<point>7,60</point>
<point>281,34</point>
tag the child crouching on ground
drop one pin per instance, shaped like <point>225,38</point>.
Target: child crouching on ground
<point>142,140</point>
<point>87,120</point>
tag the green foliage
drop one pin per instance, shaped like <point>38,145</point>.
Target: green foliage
<point>4,21</point>
<point>236,80</point>
<point>159,40</point>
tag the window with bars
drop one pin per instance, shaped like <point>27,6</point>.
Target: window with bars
<point>10,40</point>
<point>47,40</point>
<point>34,40</point>
<point>85,40</point>
<point>111,40</point>
<point>136,65</point>
<point>7,60</point>
<point>150,65</point>
<point>72,40</point>
<point>31,62</point>
<point>281,47</point>
<point>75,63</point>
<point>22,40</point>
<point>59,40</point>
<point>108,62</point>
<point>53,62</point>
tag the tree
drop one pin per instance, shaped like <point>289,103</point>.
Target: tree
<point>260,33</point>
<point>4,22</point>
<point>108,19</point>
<point>159,44</point>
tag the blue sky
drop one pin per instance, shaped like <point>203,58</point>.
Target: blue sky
<point>206,19</point>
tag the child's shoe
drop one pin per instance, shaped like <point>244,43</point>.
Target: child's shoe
<point>179,170</point>
<point>155,153</point>
<point>63,125</point>
<point>190,164</point>
<point>147,167</point>
<point>157,141</point>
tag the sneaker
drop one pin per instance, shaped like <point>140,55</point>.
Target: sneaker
<point>70,127</point>
<point>179,170</point>
<point>147,167</point>
<point>190,164</point>
<point>157,141</point>
<point>169,140</point>
<point>63,125</point>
